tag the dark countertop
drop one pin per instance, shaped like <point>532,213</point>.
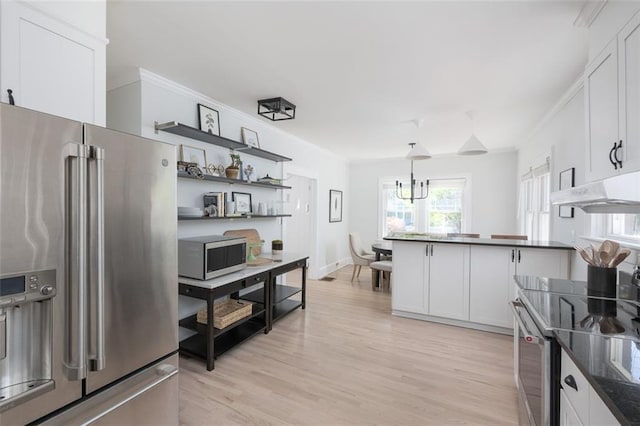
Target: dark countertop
<point>612,367</point>
<point>610,362</point>
<point>426,238</point>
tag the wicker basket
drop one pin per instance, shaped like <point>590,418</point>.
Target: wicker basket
<point>226,313</point>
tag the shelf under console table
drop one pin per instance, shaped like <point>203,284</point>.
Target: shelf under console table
<point>271,302</point>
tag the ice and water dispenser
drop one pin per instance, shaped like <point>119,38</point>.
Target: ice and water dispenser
<point>26,327</point>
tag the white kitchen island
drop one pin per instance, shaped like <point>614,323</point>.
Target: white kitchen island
<point>468,282</point>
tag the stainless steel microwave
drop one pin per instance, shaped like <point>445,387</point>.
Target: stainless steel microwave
<point>204,258</point>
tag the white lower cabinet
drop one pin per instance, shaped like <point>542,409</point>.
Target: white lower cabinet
<point>449,281</point>
<point>431,279</point>
<point>410,265</point>
<point>568,415</point>
<point>579,402</point>
<point>491,278</point>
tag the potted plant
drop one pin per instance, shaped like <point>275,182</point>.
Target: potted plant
<point>233,170</point>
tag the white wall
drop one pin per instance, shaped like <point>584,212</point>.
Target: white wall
<point>493,190</point>
<point>162,100</point>
<point>562,135</point>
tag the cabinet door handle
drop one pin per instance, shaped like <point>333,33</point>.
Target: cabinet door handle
<point>427,250</point>
<point>615,154</point>
<point>615,165</point>
<point>431,249</point>
<point>11,100</point>
<point>571,382</point>
<point>513,255</point>
<point>519,256</point>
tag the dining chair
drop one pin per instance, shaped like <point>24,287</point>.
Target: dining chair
<point>359,256</point>
<point>455,234</point>
<point>509,237</point>
<point>384,268</point>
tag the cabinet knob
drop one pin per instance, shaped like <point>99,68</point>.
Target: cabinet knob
<point>11,100</point>
<point>571,382</point>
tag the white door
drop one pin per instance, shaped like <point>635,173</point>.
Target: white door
<point>299,202</point>
<point>629,72</point>
<point>491,285</point>
<point>449,281</point>
<point>601,103</point>
<point>410,277</point>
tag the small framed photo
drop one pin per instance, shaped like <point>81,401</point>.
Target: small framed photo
<point>243,201</point>
<point>567,181</point>
<point>208,120</point>
<point>193,155</point>
<point>335,205</point>
<point>249,137</point>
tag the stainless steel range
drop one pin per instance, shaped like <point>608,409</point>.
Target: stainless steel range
<point>544,306</point>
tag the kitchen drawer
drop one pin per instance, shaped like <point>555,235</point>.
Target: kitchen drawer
<point>579,397</point>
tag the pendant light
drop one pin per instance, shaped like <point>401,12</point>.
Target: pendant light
<point>417,152</point>
<point>472,146</point>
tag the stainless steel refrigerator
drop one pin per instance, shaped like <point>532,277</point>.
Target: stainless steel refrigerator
<point>88,292</point>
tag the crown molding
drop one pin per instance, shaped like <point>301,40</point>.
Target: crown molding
<point>588,13</point>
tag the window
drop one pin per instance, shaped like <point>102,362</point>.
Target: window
<point>443,211</point>
<point>625,226</point>
<point>534,210</point>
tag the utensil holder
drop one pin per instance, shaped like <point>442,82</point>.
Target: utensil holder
<point>601,282</point>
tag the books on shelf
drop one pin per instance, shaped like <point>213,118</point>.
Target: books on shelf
<point>214,203</point>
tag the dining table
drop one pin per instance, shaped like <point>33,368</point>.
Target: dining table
<point>380,249</point>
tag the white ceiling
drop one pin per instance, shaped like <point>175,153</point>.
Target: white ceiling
<point>360,71</point>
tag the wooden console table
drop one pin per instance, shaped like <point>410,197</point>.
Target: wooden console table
<point>271,302</point>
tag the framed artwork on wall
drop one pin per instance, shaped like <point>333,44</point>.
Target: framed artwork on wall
<point>242,201</point>
<point>193,155</point>
<point>208,120</point>
<point>249,137</point>
<point>335,205</point>
<point>567,181</point>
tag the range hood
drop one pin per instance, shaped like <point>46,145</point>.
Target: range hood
<point>618,194</point>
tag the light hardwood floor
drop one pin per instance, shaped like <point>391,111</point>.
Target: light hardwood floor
<point>346,360</point>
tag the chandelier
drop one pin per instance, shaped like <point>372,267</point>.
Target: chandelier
<point>417,152</point>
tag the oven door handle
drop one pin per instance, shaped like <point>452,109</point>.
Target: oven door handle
<point>529,337</point>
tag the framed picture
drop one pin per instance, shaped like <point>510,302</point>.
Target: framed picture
<point>335,205</point>
<point>193,155</point>
<point>243,201</point>
<point>566,182</point>
<point>250,137</point>
<point>208,120</point>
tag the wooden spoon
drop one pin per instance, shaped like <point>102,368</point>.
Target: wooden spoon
<point>610,247</point>
<point>622,255</point>
<point>596,257</point>
<point>583,253</point>
<point>605,258</point>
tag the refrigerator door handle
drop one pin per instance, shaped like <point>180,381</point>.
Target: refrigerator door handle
<point>97,273</point>
<point>75,353</point>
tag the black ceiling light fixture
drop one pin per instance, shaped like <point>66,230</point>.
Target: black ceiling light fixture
<point>277,109</point>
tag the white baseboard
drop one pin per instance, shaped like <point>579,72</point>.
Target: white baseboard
<point>457,323</point>
<point>328,269</point>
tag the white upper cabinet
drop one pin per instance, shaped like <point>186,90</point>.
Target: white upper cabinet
<point>50,65</point>
<point>629,93</point>
<point>612,106</point>
<point>601,104</point>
